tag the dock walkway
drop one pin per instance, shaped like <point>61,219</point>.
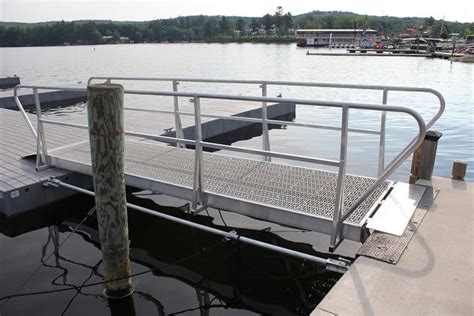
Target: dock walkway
<point>293,196</point>
<point>434,275</point>
<point>20,183</point>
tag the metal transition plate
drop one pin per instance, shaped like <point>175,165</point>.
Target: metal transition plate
<point>389,248</point>
<point>395,212</point>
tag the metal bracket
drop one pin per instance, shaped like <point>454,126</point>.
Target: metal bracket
<point>333,247</point>
<point>232,232</point>
<point>340,265</point>
<point>199,209</point>
<point>43,167</point>
<point>51,182</point>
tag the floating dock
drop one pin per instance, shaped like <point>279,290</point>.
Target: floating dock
<point>9,82</point>
<point>21,186</point>
<point>386,50</point>
<point>20,183</point>
<point>434,275</point>
<point>368,54</point>
<point>47,99</point>
<point>374,52</point>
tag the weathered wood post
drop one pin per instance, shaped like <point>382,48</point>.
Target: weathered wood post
<point>106,133</point>
<point>422,165</point>
<point>459,169</point>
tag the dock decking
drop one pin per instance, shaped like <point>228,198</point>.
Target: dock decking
<point>20,183</point>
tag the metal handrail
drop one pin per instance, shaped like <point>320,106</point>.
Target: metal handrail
<point>263,84</point>
<point>430,123</point>
<point>199,143</point>
<point>256,120</point>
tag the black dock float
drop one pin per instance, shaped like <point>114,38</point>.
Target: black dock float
<point>9,82</point>
<point>47,99</point>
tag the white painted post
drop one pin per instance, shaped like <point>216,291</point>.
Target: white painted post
<point>197,177</point>
<point>41,150</point>
<point>339,205</point>
<point>265,136</point>
<point>177,118</point>
<point>383,119</point>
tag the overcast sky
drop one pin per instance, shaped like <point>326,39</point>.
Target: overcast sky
<point>49,10</point>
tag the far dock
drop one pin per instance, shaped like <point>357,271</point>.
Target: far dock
<point>386,52</point>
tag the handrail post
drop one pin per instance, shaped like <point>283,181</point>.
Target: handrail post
<point>197,177</point>
<point>22,110</point>
<point>383,120</point>
<point>265,138</point>
<point>41,150</point>
<point>339,205</point>
<point>177,118</point>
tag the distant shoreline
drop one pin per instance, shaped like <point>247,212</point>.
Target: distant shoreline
<point>256,40</point>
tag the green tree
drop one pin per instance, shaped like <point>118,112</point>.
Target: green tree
<point>267,22</point>
<point>210,29</point>
<point>116,36</point>
<point>224,26</point>
<point>430,21</point>
<point>444,34</point>
<point>278,19</point>
<point>255,24</point>
<point>287,22</point>
<point>307,22</point>
<point>328,22</point>
<point>467,31</point>
<point>240,26</point>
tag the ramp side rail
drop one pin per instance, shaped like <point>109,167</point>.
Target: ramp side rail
<point>263,86</point>
<point>199,201</point>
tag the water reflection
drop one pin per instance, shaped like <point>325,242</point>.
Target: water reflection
<point>181,270</point>
<point>124,307</point>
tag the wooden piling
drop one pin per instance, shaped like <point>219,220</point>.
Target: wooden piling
<point>459,169</point>
<point>106,133</point>
<point>422,165</point>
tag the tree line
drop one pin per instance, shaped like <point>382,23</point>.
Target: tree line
<point>270,27</point>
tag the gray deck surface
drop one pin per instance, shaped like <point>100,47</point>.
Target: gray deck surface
<point>435,274</point>
<point>301,190</point>
<point>17,141</point>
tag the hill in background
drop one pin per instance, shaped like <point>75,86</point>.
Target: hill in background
<point>277,27</point>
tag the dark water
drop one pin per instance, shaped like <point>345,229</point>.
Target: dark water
<point>185,271</point>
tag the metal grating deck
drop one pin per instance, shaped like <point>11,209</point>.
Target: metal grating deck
<point>288,195</point>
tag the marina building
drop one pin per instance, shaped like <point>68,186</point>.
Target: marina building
<point>329,37</point>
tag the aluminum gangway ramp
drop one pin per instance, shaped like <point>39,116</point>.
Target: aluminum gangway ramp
<point>334,203</point>
<point>292,196</point>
